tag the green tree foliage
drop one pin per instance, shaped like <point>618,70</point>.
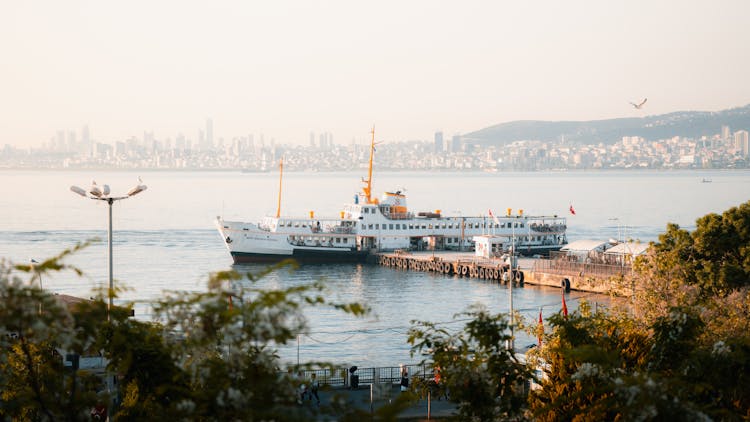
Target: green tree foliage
<point>209,356</point>
<point>476,367</point>
<point>715,257</point>
<point>679,353</point>
<point>36,334</point>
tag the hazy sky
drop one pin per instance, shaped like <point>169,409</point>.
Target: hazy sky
<point>287,68</point>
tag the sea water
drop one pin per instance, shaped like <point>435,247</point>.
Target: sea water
<point>164,238</point>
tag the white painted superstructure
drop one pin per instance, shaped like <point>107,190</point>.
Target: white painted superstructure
<point>386,224</point>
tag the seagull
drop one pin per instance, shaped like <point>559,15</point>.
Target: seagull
<point>640,105</point>
<point>140,187</point>
<point>95,189</point>
<point>105,190</point>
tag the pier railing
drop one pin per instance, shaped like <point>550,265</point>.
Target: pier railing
<point>341,377</point>
<point>563,267</point>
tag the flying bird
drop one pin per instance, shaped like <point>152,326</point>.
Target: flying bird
<point>638,106</point>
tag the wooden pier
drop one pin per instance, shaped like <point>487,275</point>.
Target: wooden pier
<point>452,263</point>
<point>532,271</point>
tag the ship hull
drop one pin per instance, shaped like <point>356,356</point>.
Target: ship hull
<point>302,256</point>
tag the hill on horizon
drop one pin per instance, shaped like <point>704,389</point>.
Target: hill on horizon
<point>690,124</point>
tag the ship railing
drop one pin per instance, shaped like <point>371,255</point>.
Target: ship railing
<point>548,228</point>
<point>399,215</point>
<point>331,229</point>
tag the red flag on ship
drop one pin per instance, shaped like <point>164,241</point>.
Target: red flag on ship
<point>540,329</point>
<point>564,306</point>
<point>493,216</point>
<point>572,211</point>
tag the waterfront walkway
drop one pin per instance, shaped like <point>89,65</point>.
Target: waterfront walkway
<point>360,399</point>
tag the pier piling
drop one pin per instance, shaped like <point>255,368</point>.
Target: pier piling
<point>458,264</point>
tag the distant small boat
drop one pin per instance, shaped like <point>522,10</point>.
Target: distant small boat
<point>706,181</point>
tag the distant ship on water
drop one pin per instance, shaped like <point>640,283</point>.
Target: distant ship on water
<point>374,225</point>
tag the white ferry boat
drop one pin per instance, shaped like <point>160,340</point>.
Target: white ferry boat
<point>372,225</point>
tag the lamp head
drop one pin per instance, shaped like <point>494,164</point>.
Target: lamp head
<point>78,190</point>
<point>136,190</point>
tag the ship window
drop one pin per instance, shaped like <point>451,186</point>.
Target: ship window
<point>296,224</point>
<point>346,240</point>
<point>377,227</point>
<point>390,227</point>
<point>423,227</point>
<point>369,226</point>
<point>429,226</point>
<point>521,225</point>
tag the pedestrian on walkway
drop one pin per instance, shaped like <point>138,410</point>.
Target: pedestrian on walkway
<point>314,385</point>
<point>404,380</point>
<point>302,388</point>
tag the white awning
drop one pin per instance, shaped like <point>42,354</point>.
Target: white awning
<point>628,248</point>
<point>586,245</point>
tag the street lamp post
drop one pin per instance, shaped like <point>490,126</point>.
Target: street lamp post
<point>102,194</point>
<point>33,263</point>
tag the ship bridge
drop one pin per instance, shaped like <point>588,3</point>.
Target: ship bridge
<point>393,206</point>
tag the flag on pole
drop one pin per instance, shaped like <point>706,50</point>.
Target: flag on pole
<point>572,211</point>
<point>540,328</point>
<point>493,217</point>
<point>564,306</point>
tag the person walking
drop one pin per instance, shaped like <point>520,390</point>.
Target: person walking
<point>404,380</point>
<point>314,385</point>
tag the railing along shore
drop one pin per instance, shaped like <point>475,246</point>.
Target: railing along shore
<point>342,377</point>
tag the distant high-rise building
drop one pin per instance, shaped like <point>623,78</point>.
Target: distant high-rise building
<point>60,145</point>
<point>179,142</point>
<point>726,134</point>
<point>741,142</point>
<point>71,141</point>
<point>201,140</point>
<point>439,141</point>
<point>210,133</point>
<point>456,143</point>
<point>87,146</point>
<point>312,139</point>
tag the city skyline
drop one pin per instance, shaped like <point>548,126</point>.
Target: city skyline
<point>286,69</point>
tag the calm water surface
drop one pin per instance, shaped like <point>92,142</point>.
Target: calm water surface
<point>164,238</point>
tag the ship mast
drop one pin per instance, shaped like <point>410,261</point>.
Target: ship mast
<point>368,189</point>
<point>281,174</point>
